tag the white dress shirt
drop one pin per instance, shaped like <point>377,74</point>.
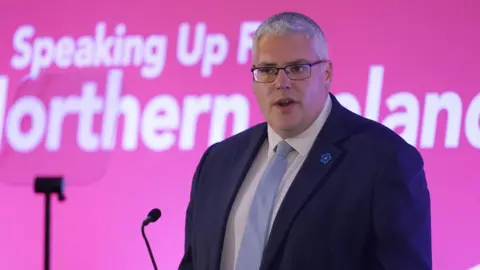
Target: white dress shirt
<point>239,213</point>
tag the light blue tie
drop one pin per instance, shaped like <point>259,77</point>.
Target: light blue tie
<point>256,230</point>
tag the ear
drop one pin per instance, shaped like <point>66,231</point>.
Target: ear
<point>328,74</point>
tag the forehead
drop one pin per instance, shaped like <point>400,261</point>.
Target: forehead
<point>283,49</point>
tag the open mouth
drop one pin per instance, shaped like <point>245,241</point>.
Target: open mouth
<point>285,102</point>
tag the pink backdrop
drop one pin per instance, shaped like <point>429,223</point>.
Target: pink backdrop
<point>412,65</point>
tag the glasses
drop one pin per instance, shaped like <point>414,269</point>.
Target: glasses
<point>294,72</point>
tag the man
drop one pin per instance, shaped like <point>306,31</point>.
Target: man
<point>316,186</point>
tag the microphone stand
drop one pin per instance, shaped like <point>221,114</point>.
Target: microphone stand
<point>148,247</point>
<point>47,231</point>
<point>47,186</point>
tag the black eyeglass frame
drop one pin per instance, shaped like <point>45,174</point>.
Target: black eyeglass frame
<point>285,69</point>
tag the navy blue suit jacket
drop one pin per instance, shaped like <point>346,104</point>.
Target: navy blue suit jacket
<point>367,208</point>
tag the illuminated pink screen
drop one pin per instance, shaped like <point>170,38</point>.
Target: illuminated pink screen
<point>122,98</point>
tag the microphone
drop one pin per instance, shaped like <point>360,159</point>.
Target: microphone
<point>152,216</point>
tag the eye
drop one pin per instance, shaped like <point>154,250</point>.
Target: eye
<point>298,68</point>
<point>267,70</point>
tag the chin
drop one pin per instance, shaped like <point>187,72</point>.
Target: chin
<point>285,127</point>
<point>284,123</point>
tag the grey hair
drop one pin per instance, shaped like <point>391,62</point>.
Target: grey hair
<point>292,23</point>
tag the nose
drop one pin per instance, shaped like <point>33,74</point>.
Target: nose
<point>282,81</point>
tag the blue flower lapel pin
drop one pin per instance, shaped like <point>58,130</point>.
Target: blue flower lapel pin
<point>325,158</point>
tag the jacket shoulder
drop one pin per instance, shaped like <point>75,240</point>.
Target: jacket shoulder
<point>241,138</point>
<point>378,138</point>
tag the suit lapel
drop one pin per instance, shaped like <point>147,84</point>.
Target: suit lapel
<point>243,156</point>
<point>310,178</point>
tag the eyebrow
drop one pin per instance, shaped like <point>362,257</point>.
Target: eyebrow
<point>294,62</point>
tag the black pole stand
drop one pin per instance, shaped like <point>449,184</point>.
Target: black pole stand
<point>47,186</point>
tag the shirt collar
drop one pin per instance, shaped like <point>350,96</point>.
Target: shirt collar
<point>304,141</point>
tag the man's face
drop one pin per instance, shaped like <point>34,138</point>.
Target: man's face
<point>290,106</point>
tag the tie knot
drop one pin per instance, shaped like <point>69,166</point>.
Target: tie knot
<point>282,149</point>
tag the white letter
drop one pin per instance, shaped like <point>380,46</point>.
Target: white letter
<point>84,55</point>
<point>349,101</point>
<point>238,106</point>
<point>216,50</point>
<point>190,59</point>
<point>409,119</point>
<point>43,53</point>
<point>118,47</point>
<point>114,106</point>
<point>472,122</point>
<point>133,51</point>
<point>3,104</point>
<point>434,103</point>
<point>65,50</point>
<point>26,106</point>
<point>155,56</point>
<point>166,122</point>
<point>90,104</point>
<point>374,92</point>
<point>193,107</point>
<point>103,46</point>
<point>21,45</point>
<point>59,108</point>
<point>245,40</point>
